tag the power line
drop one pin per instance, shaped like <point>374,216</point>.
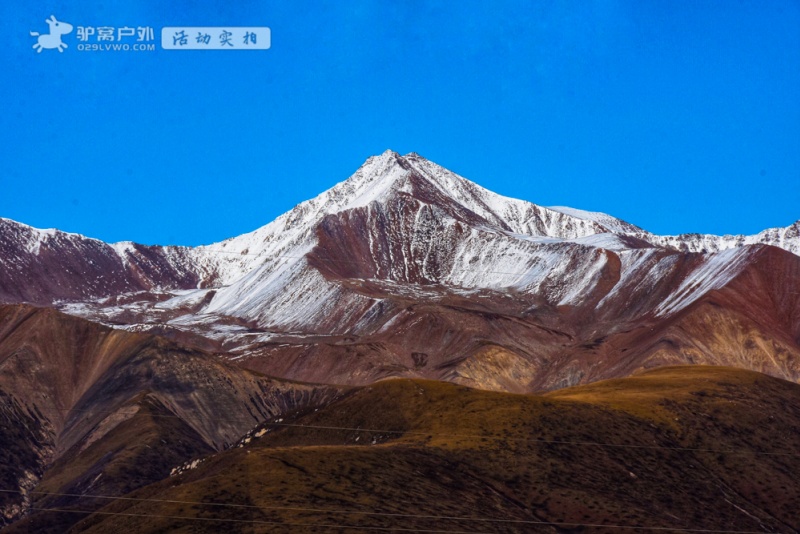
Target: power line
<point>259,522</point>
<point>465,436</point>
<point>360,512</point>
<point>288,508</point>
<point>399,529</point>
<point>285,508</point>
<point>534,440</point>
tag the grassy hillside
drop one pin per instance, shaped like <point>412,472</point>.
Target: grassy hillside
<point>676,448</point>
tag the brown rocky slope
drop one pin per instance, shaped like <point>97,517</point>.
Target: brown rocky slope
<point>89,408</point>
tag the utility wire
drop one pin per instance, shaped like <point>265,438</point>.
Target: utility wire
<point>257,522</point>
<point>290,508</point>
<point>465,436</point>
<point>277,508</point>
<point>360,512</point>
<point>398,529</point>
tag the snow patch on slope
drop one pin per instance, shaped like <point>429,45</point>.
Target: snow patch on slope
<point>717,270</point>
<point>613,224</point>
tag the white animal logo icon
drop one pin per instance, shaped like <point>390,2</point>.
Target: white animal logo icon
<point>52,39</point>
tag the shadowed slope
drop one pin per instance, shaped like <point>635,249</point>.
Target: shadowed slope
<point>696,447</point>
<point>110,410</point>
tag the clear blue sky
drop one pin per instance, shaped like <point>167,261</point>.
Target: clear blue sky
<point>677,116</point>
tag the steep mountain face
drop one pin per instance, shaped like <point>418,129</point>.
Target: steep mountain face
<point>90,408</point>
<point>407,269</point>
<point>47,266</point>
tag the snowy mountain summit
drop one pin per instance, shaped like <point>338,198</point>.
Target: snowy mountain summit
<point>404,257</point>
<point>389,177</point>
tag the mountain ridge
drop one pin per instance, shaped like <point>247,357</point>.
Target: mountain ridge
<point>347,187</point>
<point>405,246</point>
<point>372,181</point>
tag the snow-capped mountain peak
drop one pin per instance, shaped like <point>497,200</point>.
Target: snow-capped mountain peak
<point>412,256</point>
<point>407,218</point>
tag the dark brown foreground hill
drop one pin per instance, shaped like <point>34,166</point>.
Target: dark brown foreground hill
<point>669,450</point>
<point>86,409</point>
